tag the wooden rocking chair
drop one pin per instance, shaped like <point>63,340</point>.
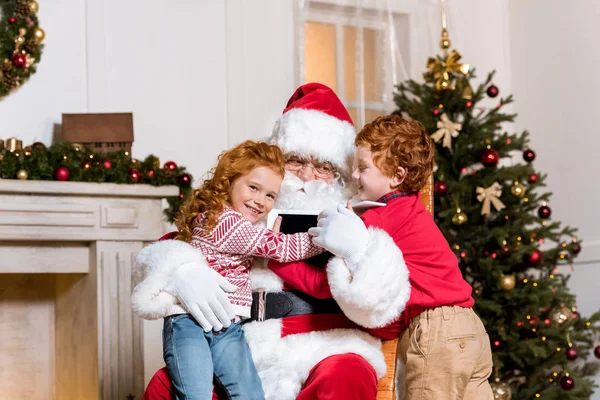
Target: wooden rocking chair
<point>386,387</point>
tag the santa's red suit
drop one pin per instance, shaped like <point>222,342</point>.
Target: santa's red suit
<point>306,348</point>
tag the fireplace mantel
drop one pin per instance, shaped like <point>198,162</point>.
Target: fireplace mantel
<point>66,251</point>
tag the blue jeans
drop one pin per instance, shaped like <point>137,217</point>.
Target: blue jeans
<point>194,357</point>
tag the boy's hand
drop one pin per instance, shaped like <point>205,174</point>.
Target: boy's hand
<point>341,232</point>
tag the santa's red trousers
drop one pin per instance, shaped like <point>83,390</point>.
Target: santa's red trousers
<point>339,377</point>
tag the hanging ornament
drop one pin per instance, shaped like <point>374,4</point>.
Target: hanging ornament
<point>571,353</point>
<point>446,131</point>
<point>517,189</point>
<point>459,218</point>
<point>492,91</point>
<point>184,180</point>
<point>39,34</point>
<point>597,351</point>
<point>489,157</point>
<point>534,258</point>
<point>170,166</point>
<point>19,60</point>
<point>440,71</point>
<point>575,247</point>
<point>12,20</point>
<point>33,6</point>
<point>61,174</point>
<point>567,382</point>
<point>529,155</point>
<point>544,212</point>
<point>441,188</point>
<point>490,196</point>
<point>507,282</point>
<point>560,314</point>
<point>22,174</point>
<point>107,164</point>
<point>133,175</point>
<point>501,390</point>
<point>533,178</point>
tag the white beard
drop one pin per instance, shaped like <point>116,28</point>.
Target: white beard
<point>311,195</point>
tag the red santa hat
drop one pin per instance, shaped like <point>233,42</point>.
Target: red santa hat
<point>315,123</point>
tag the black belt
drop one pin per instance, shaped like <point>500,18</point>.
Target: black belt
<point>289,303</point>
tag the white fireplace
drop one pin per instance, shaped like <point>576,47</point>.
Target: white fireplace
<point>66,252</point>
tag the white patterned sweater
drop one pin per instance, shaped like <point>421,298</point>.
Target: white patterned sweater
<point>231,245</point>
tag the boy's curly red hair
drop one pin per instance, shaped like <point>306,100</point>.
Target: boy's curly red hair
<point>399,142</point>
<point>213,195</point>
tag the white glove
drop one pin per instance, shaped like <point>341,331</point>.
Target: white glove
<point>201,290</point>
<point>343,233</point>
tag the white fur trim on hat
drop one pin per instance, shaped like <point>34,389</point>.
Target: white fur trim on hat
<point>379,290</point>
<point>153,270</point>
<point>312,133</point>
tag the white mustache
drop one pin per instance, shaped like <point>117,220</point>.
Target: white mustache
<point>295,193</point>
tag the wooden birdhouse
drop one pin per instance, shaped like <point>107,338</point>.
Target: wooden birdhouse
<point>103,133</point>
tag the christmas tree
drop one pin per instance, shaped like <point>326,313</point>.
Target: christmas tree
<point>491,207</point>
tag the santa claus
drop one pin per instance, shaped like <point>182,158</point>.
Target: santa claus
<point>315,332</point>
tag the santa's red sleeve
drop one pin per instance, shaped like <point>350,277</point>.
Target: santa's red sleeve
<point>304,277</point>
<point>376,293</point>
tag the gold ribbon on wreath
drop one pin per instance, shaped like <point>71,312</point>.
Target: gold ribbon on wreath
<point>439,71</point>
<point>490,196</point>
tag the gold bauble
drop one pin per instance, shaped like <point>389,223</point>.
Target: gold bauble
<point>34,7</point>
<point>561,314</point>
<point>459,218</point>
<point>22,174</point>
<point>507,282</point>
<point>39,34</point>
<point>501,390</point>
<point>517,190</point>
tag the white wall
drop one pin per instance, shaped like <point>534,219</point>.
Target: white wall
<point>554,68</point>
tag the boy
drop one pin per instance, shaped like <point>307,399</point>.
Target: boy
<point>444,347</point>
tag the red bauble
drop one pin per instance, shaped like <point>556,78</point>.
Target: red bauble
<point>492,91</point>
<point>489,157</point>
<point>170,165</point>
<point>184,180</point>
<point>61,174</point>
<point>107,164</point>
<point>597,351</point>
<point>469,104</point>
<point>12,20</point>
<point>529,155</point>
<point>86,165</point>
<point>567,383</point>
<point>19,60</point>
<point>133,175</point>
<point>571,353</point>
<point>150,173</point>
<point>441,188</point>
<point>436,111</point>
<point>544,212</point>
<point>532,178</point>
<point>575,248</point>
<point>535,258</point>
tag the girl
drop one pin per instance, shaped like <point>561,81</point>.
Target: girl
<point>218,220</point>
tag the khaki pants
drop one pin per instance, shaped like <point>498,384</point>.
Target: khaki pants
<point>446,355</point>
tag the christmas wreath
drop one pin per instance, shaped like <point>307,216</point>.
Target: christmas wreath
<point>74,162</point>
<point>20,43</point>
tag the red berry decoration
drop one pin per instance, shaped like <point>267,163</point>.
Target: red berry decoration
<point>492,91</point>
<point>533,178</point>
<point>61,174</point>
<point>184,180</point>
<point>107,164</point>
<point>150,173</point>
<point>571,353</point>
<point>489,157</point>
<point>567,383</point>
<point>535,258</point>
<point>170,165</point>
<point>529,155</point>
<point>441,188</point>
<point>134,175</point>
<point>544,212</point>
<point>469,104</point>
<point>575,248</point>
<point>597,351</point>
<point>12,20</point>
<point>19,60</point>
<point>436,111</point>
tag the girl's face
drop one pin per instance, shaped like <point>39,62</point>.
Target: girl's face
<point>254,194</point>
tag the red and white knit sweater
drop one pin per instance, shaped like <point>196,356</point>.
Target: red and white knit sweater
<point>231,245</point>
